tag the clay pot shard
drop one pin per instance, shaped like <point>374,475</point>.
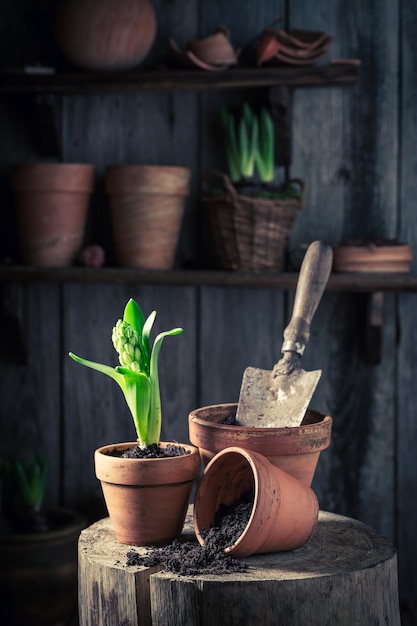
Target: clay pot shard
<point>214,52</point>
<point>285,511</point>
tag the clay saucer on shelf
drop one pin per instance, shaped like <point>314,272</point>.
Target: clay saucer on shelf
<point>384,256</point>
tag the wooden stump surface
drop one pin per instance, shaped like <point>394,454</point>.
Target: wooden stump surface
<point>346,574</point>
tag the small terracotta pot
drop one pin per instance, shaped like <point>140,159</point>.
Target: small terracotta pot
<point>51,204</point>
<point>147,499</point>
<point>147,206</point>
<point>285,511</point>
<point>295,450</point>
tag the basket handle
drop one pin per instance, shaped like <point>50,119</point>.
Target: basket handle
<point>299,182</point>
<point>225,180</point>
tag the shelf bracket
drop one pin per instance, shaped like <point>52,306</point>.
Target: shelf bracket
<point>41,115</point>
<point>374,327</point>
<point>280,104</point>
<point>12,335</point>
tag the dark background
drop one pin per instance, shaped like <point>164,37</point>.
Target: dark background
<point>355,149</point>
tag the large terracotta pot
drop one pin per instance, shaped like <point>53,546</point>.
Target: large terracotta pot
<point>105,34</point>
<point>295,450</point>
<point>147,499</point>
<point>285,511</point>
<point>51,204</point>
<point>147,206</point>
<point>38,573</point>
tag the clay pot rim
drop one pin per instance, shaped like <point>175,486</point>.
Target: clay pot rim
<point>212,424</point>
<point>117,470</point>
<point>125,445</point>
<point>132,178</point>
<point>61,177</point>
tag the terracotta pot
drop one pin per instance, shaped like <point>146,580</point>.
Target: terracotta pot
<point>38,573</point>
<point>147,206</point>
<point>51,204</point>
<point>105,34</point>
<point>295,450</point>
<point>372,258</point>
<point>285,511</point>
<point>147,499</point>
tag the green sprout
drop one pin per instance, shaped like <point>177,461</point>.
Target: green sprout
<point>249,144</point>
<point>137,374</point>
<point>31,481</point>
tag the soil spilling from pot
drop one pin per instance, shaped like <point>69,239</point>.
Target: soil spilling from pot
<point>154,451</point>
<point>190,558</point>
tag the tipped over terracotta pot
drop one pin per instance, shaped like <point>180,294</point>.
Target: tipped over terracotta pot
<point>284,513</point>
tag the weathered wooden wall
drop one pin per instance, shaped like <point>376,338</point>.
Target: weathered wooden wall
<point>355,150</point>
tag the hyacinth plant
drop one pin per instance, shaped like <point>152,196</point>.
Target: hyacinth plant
<point>250,150</point>
<point>249,144</point>
<point>137,374</point>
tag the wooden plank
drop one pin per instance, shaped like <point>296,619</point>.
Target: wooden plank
<point>237,328</point>
<point>360,282</point>
<point>351,188</point>
<point>343,73</point>
<point>406,355</point>
<point>95,410</point>
<point>30,408</point>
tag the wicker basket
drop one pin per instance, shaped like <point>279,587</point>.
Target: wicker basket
<point>250,234</point>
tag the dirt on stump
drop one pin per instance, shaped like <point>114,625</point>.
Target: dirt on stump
<point>190,558</point>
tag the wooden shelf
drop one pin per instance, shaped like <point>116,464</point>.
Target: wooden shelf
<point>340,73</point>
<point>368,283</point>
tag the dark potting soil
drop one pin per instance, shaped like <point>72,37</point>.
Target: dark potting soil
<point>230,420</point>
<point>189,558</point>
<point>154,451</point>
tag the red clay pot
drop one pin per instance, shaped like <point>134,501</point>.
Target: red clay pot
<point>51,204</point>
<point>147,206</point>
<point>147,499</point>
<point>105,34</point>
<point>295,450</point>
<point>285,511</point>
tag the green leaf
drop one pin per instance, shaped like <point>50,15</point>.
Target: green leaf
<point>99,367</point>
<point>155,414</point>
<point>145,339</point>
<point>265,158</point>
<point>137,395</point>
<point>133,315</point>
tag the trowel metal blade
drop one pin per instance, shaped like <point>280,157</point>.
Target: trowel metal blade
<point>268,401</point>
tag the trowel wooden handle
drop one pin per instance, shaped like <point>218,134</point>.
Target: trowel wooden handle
<point>314,274</point>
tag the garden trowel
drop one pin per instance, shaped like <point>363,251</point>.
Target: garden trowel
<point>280,397</point>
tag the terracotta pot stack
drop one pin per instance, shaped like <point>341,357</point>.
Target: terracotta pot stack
<point>275,465</point>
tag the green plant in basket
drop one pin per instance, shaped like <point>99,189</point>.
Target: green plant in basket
<point>250,150</point>
<point>137,374</point>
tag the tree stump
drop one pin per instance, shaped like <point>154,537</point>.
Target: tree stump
<point>346,574</point>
